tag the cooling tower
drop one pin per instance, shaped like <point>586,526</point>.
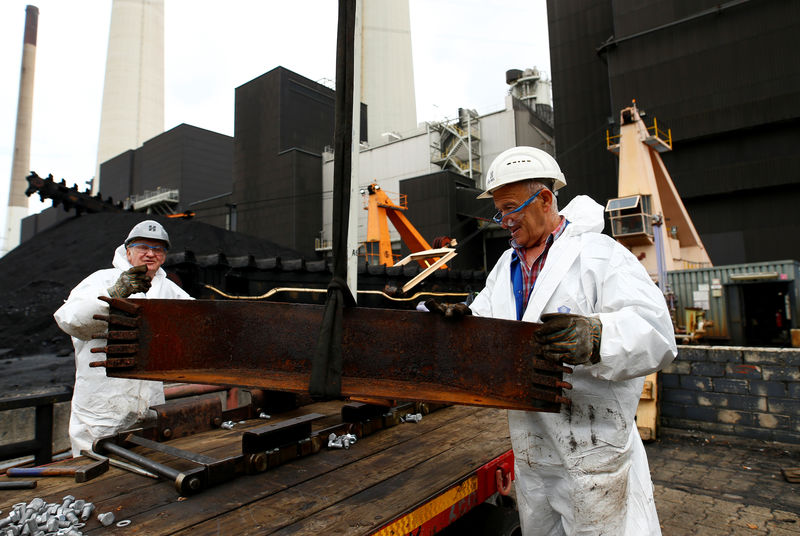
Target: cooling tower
<point>20,166</point>
<point>133,95</point>
<point>387,73</point>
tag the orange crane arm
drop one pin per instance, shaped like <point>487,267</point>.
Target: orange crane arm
<point>381,208</point>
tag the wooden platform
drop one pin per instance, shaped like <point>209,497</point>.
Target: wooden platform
<point>381,478</point>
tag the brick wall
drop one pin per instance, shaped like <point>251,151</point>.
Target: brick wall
<point>751,392</point>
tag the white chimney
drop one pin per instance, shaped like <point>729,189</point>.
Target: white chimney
<point>133,95</point>
<point>20,166</point>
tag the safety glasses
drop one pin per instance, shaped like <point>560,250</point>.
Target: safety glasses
<point>159,251</point>
<point>499,217</point>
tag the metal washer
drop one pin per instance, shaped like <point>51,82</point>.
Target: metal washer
<point>123,523</point>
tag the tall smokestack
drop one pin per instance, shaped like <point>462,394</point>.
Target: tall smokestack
<point>20,166</point>
<point>387,86</point>
<point>133,95</point>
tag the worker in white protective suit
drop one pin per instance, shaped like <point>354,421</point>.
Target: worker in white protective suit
<point>102,406</point>
<point>584,470</point>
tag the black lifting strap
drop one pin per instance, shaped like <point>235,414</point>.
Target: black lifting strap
<point>326,366</point>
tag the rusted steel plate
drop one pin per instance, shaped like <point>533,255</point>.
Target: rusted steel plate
<point>404,355</point>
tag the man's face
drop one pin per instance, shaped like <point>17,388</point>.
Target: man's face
<point>530,226</point>
<point>138,254</point>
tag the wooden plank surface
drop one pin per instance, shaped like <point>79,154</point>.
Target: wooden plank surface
<point>353,491</point>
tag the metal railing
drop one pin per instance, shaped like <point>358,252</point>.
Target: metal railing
<point>666,137</point>
<point>41,446</point>
<point>153,197</point>
<point>653,130</point>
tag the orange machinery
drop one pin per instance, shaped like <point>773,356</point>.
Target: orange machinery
<point>381,209</point>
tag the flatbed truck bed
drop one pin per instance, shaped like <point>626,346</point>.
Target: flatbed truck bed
<point>412,478</point>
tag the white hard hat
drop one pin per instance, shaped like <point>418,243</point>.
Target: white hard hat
<point>148,229</point>
<point>519,164</point>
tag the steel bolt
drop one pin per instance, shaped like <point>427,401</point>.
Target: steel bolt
<point>5,521</point>
<point>71,517</point>
<point>263,416</point>
<point>52,524</point>
<point>227,425</point>
<point>67,501</point>
<point>88,508</point>
<point>106,518</point>
<point>77,506</point>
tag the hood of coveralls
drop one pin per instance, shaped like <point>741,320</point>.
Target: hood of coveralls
<point>584,215</point>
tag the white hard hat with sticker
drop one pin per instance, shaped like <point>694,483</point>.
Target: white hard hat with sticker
<point>148,229</point>
<point>519,164</point>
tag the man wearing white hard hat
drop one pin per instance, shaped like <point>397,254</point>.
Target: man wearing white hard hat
<point>583,470</point>
<point>102,406</point>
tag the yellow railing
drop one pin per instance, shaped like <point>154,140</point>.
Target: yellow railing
<point>611,140</point>
<point>666,137</point>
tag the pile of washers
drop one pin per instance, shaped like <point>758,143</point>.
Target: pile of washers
<point>38,518</point>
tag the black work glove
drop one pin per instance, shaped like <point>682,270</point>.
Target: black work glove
<point>130,282</point>
<point>448,310</point>
<point>574,339</point>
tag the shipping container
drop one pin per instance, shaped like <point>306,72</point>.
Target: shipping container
<point>754,304</point>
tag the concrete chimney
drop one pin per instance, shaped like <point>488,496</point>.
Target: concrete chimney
<point>133,95</point>
<point>20,166</point>
<point>387,70</point>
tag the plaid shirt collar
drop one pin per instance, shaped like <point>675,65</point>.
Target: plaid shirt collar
<point>529,275</point>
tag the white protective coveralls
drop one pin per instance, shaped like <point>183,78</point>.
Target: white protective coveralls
<point>102,406</point>
<point>584,470</point>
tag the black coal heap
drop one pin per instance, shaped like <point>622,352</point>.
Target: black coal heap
<point>37,276</point>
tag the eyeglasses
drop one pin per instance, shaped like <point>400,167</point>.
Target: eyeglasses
<point>499,217</point>
<point>144,248</point>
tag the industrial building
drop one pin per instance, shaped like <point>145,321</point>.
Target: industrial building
<point>167,174</point>
<point>717,75</point>
<point>273,179</point>
<point>714,76</point>
<point>438,169</point>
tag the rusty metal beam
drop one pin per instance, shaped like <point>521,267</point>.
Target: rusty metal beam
<point>401,355</point>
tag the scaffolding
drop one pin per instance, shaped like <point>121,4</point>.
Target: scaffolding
<point>456,144</point>
<point>161,201</point>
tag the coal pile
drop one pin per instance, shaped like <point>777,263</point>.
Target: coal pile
<point>38,275</point>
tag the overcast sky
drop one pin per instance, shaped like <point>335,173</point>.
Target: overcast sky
<point>461,51</point>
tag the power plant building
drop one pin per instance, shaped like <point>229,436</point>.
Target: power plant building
<point>718,77</point>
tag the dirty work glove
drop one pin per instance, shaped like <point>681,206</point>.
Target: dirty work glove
<point>130,282</point>
<point>574,339</point>
<point>449,310</point>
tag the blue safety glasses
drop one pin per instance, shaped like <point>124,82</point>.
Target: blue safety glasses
<point>143,248</point>
<point>499,217</point>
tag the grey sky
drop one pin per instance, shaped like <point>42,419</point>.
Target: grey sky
<point>461,50</point>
